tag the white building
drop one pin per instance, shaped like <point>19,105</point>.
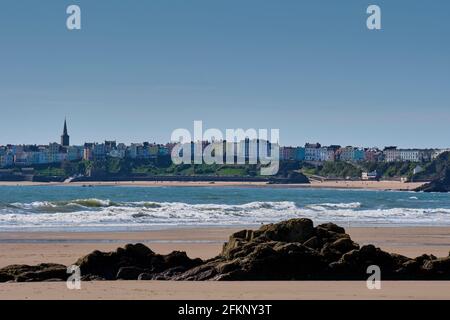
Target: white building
<point>393,154</point>
<point>315,152</point>
<point>411,155</point>
<point>326,154</point>
<point>312,151</point>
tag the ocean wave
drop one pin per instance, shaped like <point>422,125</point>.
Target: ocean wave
<point>43,205</point>
<point>105,213</point>
<point>147,213</point>
<point>328,206</point>
<point>91,203</point>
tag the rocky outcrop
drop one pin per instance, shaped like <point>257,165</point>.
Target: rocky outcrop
<point>41,272</point>
<point>289,177</point>
<point>289,250</point>
<point>441,184</point>
<point>130,262</point>
<point>438,172</point>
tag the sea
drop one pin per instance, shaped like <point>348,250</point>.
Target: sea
<point>119,208</point>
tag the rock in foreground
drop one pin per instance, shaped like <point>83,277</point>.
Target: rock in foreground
<point>132,261</point>
<point>289,250</point>
<point>40,272</point>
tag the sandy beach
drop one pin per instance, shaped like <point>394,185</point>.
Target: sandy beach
<point>338,184</point>
<point>244,290</point>
<point>66,248</point>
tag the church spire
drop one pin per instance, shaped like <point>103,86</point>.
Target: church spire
<point>65,136</point>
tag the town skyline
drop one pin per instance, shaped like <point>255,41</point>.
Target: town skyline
<point>54,152</point>
<point>65,141</point>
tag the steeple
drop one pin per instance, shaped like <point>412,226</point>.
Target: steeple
<point>65,137</point>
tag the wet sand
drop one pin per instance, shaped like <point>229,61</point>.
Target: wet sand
<point>243,290</point>
<point>66,248</point>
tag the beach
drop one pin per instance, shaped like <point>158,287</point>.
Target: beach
<point>234,291</point>
<point>332,184</point>
<point>67,247</point>
<point>61,224</point>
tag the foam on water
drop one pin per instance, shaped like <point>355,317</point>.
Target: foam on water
<point>104,213</point>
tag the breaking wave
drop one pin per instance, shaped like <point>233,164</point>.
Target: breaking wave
<point>98,213</point>
<point>327,206</point>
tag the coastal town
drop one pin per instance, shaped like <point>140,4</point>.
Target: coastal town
<point>53,153</point>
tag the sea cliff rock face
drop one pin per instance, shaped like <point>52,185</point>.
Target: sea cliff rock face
<point>289,250</point>
<point>441,184</point>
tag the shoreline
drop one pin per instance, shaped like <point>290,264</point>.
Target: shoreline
<point>387,185</point>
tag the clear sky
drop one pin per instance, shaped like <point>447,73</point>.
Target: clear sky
<point>140,69</point>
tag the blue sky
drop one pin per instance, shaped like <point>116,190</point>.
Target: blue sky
<point>140,69</point>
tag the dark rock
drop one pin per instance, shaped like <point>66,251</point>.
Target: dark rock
<point>4,277</point>
<point>245,235</point>
<point>425,257</point>
<point>129,262</point>
<point>169,273</point>
<point>439,185</point>
<point>40,272</point>
<point>227,266</point>
<point>180,259</point>
<point>145,276</point>
<point>293,230</point>
<point>336,244</point>
<point>327,236</point>
<point>285,176</point>
<point>410,267</point>
<point>331,227</point>
<point>202,272</point>
<point>138,251</point>
<point>442,182</point>
<point>129,273</point>
<point>344,245</point>
<point>330,254</point>
<point>437,267</point>
<point>313,243</point>
<point>399,260</point>
<point>91,277</point>
<point>354,263</point>
<point>101,264</point>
